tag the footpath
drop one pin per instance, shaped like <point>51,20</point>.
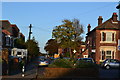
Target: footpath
<point>30,73</point>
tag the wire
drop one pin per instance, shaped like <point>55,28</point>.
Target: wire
<point>96,9</point>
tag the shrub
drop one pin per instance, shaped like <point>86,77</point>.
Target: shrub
<point>83,64</point>
<point>62,63</point>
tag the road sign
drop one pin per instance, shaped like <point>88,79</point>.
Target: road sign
<point>119,48</point>
<point>74,51</point>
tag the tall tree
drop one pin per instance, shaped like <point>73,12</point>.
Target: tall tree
<point>51,46</point>
<point>32,47</point>
<point>19,43</point>
<point>68,34</point>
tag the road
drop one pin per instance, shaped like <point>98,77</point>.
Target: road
<point>111,74</point>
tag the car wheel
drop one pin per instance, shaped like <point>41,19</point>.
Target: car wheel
<point>107,67</point>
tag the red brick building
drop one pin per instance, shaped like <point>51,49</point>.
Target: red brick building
<point>10,32</point>
<point>102,41</point>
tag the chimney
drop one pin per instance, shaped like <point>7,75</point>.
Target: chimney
<point>114,17</point>
<point>100,20</point>
<point>89,27</point>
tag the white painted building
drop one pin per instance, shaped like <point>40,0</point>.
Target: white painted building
<point>19,53</point>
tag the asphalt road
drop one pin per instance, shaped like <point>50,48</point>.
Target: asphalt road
<point>111,73</point>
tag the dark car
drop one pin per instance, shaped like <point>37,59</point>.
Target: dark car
<point>110,63</point>
<point>86,60</point>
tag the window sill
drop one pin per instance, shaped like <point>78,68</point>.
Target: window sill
<point>107,41</point>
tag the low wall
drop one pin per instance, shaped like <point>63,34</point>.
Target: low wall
<point>70,72</point>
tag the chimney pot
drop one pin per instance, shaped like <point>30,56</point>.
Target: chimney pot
<point>89,27</point>
<point>100,20</point>
<point>114,17</point>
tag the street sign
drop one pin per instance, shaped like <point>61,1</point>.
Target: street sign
<point>119,44</point>
<point>119,48</point>
<point>74,51</point>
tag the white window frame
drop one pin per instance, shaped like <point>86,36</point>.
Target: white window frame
<point>108,55</point>
<point>107,48</point>
<point>106,31</point>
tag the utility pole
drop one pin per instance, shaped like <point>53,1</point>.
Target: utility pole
<point>30,32</point>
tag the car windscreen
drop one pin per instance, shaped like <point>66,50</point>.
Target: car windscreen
<point>42,59</point>
<point>86,60</point>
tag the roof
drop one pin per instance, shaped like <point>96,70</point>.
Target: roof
<point>15,26</point>
<point>107,25</point>
<point>6,32</point>
<point>118,7</point>
<point>4,21</point>
<point>22,35</point>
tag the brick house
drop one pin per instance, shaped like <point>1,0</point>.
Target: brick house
<point>10,32</point>
<point>102,41</point>
<point>84,51</point>
<point>15,30</point>
<point>81,53</point>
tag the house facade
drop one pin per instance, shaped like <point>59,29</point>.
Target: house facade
<point>102,41</point>
<point>10,32</point>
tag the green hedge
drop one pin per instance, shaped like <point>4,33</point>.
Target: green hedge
<point>83,64</point>
<point>68,63</point>
<point>62,63</point>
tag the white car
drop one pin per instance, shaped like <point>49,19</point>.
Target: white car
<point>43,62</point>
<point>111,63</point>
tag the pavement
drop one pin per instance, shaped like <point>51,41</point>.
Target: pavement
<point>30,73</point>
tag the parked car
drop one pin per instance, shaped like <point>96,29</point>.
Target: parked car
<point>86,60</point>
<point>66,58</point>
<point>110,63</point>
<point>43,62</point>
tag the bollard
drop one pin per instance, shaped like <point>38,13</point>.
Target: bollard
<point>23,69</point>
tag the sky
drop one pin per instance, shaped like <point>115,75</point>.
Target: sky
<point>44,16</point>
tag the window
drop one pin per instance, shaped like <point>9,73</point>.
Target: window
<point>103,55</point>
<point>108,55</point>
<point>7,41</point>
<point>18,53</point>
<point>108,36</point>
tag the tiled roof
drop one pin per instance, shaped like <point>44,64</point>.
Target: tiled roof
<point>109,24</point>
<point>14,25</point>
<point>6,32</point>
<point>4,21</point>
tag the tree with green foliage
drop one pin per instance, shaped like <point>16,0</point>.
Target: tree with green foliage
<point>51,47</point>
<point>68,35</point>
<point>32,47</point>
<point>19,43</point>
